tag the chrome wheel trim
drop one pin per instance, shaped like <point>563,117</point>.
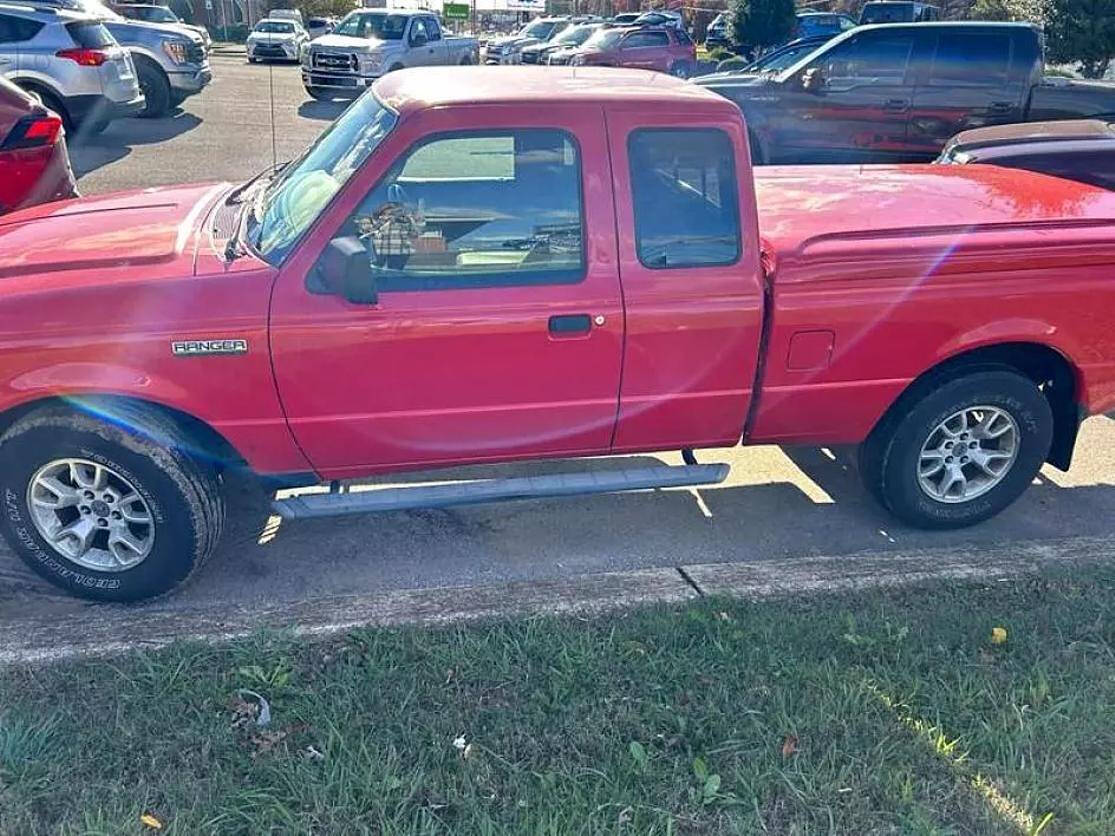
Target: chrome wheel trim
<point>91,515</point>
<point>968,454</point>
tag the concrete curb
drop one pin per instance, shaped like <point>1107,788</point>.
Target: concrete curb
<point>106,630</point>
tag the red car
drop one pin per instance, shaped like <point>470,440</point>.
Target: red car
<point>455,275</point>
<point>34,165</point>
<point>667,49</point>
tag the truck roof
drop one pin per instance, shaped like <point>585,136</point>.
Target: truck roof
<point>845,212</point>
<point>424,87</point>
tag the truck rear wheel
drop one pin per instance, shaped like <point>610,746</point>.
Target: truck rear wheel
<point>107,511</point>
<point>961,451</point>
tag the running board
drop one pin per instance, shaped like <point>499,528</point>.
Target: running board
<point>497,490</point>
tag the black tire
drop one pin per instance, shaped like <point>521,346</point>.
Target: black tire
<point>890,457</point>
<point>319,94</point>
<point>156,89</point>
<point>466,61</point>
<point>681,69</point>
<point>184,498</point>
<point>252,60</point>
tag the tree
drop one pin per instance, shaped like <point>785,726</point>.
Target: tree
<point>761,23</point>
<point>1084,31</point>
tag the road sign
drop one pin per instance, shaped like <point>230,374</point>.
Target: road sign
<point>455,11</point>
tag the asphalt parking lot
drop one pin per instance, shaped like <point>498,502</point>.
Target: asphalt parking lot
<point>776,504</point>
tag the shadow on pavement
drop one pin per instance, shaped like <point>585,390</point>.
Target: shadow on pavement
<point>824,511</point>
<point>88,152</point>
<point>325,111</point>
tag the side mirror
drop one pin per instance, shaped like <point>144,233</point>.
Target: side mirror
<point>344,270</point>
<point>812,80</point>
<point>418,39</point>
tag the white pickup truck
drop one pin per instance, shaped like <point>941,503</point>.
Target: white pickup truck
<point>371,42</point>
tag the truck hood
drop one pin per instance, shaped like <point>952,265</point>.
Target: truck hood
<point>511,41</point>
<point>150,233</point>
<point>347,42</point>
<point>131,31</point>
<point>272,37</point>
<point>724,83</point>
<point>728,77</point>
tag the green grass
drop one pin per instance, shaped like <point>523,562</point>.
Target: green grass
<point>881,712</point>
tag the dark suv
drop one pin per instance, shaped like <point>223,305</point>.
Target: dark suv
<point>899,92</point>
<point>896,11</point>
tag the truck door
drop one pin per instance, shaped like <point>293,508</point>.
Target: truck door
<point>498,329</point>
<point>970,78</point>
<point>851,103</point>
<point>421,52</point>
<point>692,284</point>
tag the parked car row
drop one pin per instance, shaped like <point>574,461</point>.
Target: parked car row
<point>90,64</point>
<point>829,24</point>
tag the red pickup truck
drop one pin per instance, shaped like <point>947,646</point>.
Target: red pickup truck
<point>452,274</point>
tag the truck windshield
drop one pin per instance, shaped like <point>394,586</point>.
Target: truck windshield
<point>278,218</point>
<point>604,38</point>
<point>378,25</point>
<point>540,29</point>
<point>575,35</point>
<point>275,26</point>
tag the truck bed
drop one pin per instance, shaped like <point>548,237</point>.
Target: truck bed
<point>890,220</point>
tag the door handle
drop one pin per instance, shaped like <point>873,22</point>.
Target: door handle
<point>570,325</point>
<point>1000,107</point>
<point>896,105</point>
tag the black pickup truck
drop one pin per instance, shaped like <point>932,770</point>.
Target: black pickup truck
<point>898,92</point>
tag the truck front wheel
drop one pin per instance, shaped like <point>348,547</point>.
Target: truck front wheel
<point>107,510</point>
<point>960,451</point>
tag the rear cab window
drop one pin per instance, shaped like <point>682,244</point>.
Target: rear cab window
<point>971,58</point>
<point>685,197</point>
<point>90,35</point>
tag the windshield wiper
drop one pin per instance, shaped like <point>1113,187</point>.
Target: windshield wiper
<point>234,195</point>
<point>232,247</point>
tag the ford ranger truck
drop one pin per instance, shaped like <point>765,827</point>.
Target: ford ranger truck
<point>898,92</point>
<point>369,43</point>
<point>453,275</point>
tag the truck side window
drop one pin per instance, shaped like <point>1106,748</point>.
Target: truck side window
<point>433,30</point>
<point>971,58</point>
<point>476,209</point>
<point>683,185</point>
<point>867,60</point>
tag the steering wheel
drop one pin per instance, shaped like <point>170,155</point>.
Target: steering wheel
<point>397,194</point>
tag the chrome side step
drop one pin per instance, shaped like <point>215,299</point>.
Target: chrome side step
<point>497,490</point>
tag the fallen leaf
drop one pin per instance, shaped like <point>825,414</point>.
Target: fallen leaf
<point>789,745</point>
<point>624,816</point>
<point>459,742</point>
<point>313,754</point>
<point>466,753</point>
<point>150,821</point>
<point>265,741</point>
<point>998,635</point>
<point>263,718</point>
